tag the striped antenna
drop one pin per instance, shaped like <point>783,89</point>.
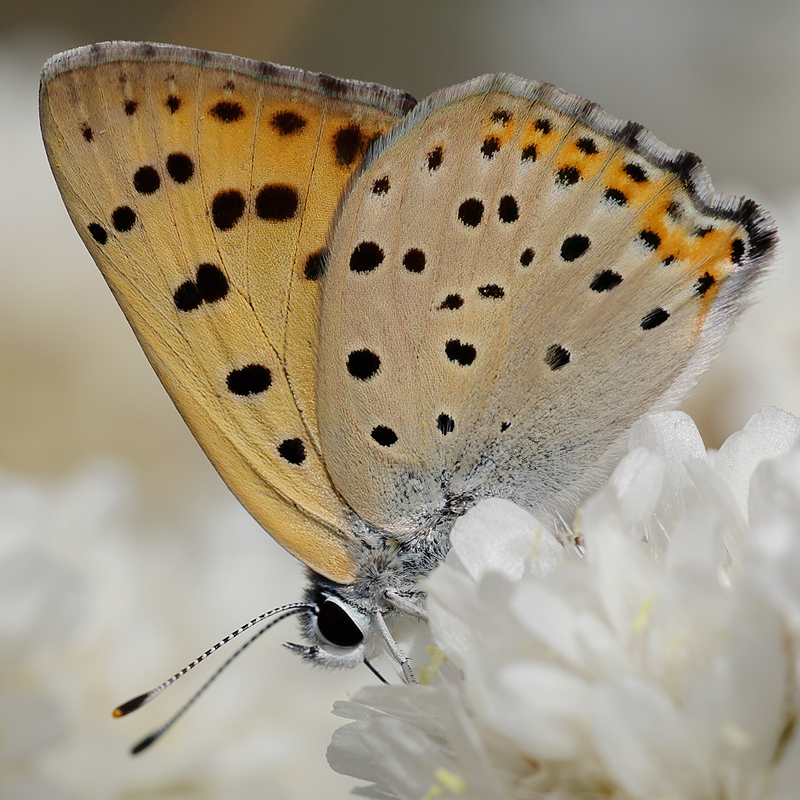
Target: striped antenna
<point>143,699</point>
<point>159,732</point>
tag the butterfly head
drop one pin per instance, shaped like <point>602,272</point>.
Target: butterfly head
<point>340,632</point>
<point>345,625</point>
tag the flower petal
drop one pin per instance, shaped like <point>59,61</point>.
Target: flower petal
<point>499,536</point>
<point>644,741</point>
<point>542,708</point>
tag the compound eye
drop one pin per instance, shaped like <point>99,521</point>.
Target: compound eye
<point>337,627</point>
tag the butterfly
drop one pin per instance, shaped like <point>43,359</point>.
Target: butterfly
<point>373,313</point>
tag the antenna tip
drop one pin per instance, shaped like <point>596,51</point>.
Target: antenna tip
<point>131,705</point>
<point>145,743</point>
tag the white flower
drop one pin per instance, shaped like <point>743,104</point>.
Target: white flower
<point>651,658</point>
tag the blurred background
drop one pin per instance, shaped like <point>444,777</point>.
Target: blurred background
<point>121,553</point>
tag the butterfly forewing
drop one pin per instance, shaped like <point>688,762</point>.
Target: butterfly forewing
<point>514,279</point>
<point>203,186</point>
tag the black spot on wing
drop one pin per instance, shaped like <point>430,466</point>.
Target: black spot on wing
<point>287,123</point>
<point>292,450</point>
<point>490,147</point>
<point>470,212</point>
<point>249,380</point>
<point>99,233</point>
<point>704,283</point>
<point>187,297</point>
<point>650,239</point>
<point>573,247</point>
<point>384,436</point>
<point>451,303</point>
<point>348,143</point>
<point>315,265</point>
<point>227,208</point>
<point>635,172</point>
<point>414,260</point>
<point>434,158</point>
<point>616,197</point>
<point>460,353</point>
<point>507,209</point>
<point>675,211</point>
<point>605,281</point>
<point>363,364</point>
<point>587,146</point>
<point>209,286</point>
<point>211,283</point>
<point>180,167</point>
<point>654,318</point>
<point>227,111</point>
<point>146,180</point>
<point>366,257</point>
<point>381,186</point>
<point>445,423</point>
<point>556,357</point>
<point>123,218</point>
<point>492,291</point>
<point>568,176</point>
<point>277,202</point>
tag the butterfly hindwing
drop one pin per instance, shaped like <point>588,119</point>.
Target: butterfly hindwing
<point>515,277</point>
<point>204,186</point>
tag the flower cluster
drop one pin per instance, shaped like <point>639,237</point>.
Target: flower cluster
<point>652,655</point>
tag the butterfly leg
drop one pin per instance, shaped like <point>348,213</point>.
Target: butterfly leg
<point>406,606</point>
<point>397,653</point>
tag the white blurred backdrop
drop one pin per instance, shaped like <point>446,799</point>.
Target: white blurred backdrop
<point>121,552</point>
